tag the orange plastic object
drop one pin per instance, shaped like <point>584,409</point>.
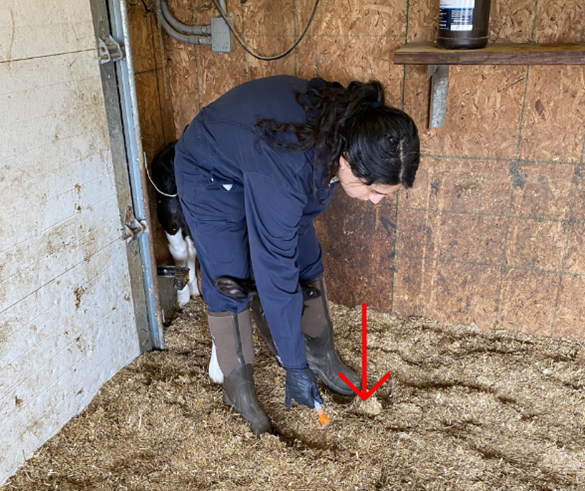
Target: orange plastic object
<point>323,418</point>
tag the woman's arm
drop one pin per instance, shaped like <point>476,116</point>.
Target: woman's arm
<point>273,213</point>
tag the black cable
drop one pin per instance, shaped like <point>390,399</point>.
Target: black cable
<point>268,58</point>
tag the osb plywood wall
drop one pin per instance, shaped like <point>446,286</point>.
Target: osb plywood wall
<point>492,232</point>
<point>154,97</point>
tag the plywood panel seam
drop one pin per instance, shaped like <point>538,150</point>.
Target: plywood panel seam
<point>406,21</point>
<point>570,226</point>
<point>244,38</point>
<point>342,36</point>
<point>505,260</point>
<point>542,219</point>
<point>295,53</point>
<point>160,101</point>
<point>534,22</point>
<point>498,159</point>
<point>197,81</point>
<point>292,37</point>
<point>495,215</point>
<point>489,265</point>
<point>193,50</point>
<point>425,257</point>
<point>403,87</point>
<point>393,268</point>
<point>156,40</point>
<point>404,66</point>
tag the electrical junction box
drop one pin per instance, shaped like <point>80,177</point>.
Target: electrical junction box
<point>222,39</point>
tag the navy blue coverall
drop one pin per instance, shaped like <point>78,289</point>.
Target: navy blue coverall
<point>248,204</point>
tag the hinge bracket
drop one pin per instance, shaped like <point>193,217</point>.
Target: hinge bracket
<point>109,49</point>
<point>133,227</point>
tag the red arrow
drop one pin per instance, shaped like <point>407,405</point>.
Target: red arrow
<point>365,394</point>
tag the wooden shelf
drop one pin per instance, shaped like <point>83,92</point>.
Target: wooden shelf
<point>426,53</point>
<point>438,61</point>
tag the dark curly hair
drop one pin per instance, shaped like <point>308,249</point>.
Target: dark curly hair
<point>379,142</point>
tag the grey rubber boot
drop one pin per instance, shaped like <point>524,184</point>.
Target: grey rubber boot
<point>319,346</point>
<point>232,336</point>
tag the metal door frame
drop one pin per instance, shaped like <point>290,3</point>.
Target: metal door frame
<point>110,18</point>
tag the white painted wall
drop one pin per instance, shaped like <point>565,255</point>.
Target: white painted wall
<point>67,320</point>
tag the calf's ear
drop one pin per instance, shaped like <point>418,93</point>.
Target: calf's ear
<point>233,287</point>
<point>310,292</point>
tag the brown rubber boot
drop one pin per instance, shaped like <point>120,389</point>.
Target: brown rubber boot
<point>232,337</point>
<point>319,346</point>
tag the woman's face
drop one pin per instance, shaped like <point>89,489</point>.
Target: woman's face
<point>355,188</point>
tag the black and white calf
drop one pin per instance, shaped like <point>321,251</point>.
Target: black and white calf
<point>170,215</point>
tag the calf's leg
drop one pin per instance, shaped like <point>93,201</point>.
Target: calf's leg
<point>178,248</point>
<point>191,257</point>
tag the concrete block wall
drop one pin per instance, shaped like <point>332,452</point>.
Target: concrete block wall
<point>67,320</point>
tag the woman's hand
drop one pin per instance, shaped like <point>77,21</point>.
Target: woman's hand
<point>301,385</point>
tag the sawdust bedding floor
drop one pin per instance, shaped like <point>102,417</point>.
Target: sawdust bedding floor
<point>463,410</point>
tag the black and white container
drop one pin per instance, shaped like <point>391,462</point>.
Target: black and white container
<point>463,24</point>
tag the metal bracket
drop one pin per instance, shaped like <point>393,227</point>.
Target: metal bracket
<point>439,75</point>
<point>133,227</point>
<point>109,49</point>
